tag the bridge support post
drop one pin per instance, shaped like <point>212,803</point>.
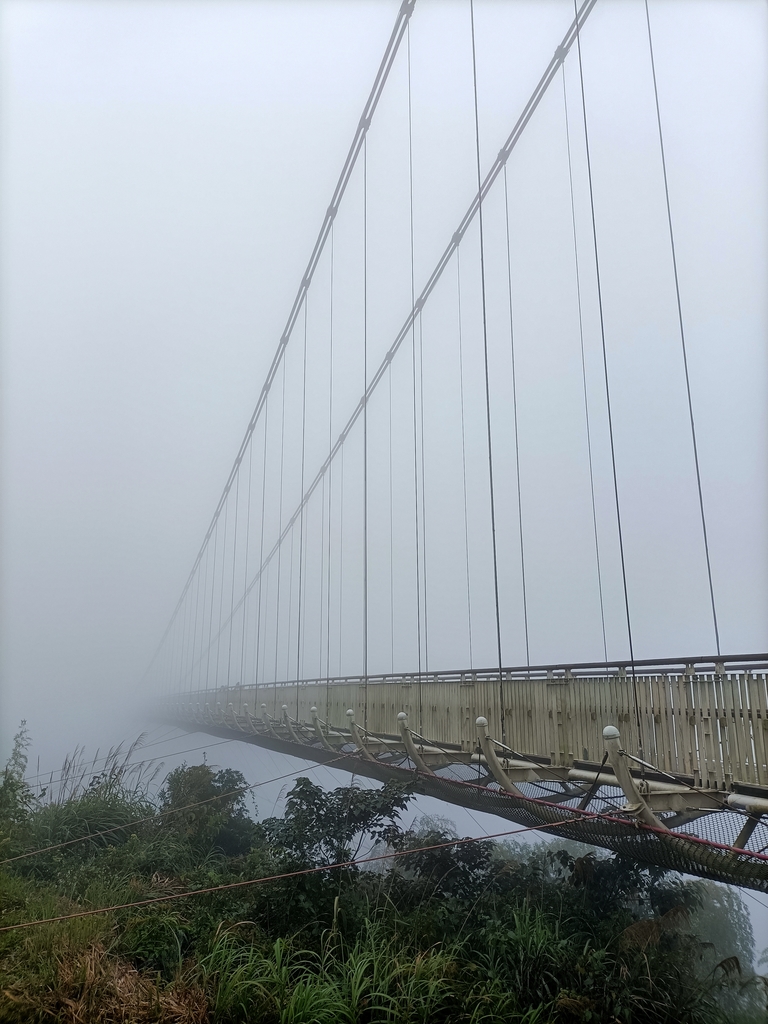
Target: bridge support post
<point>636,805</point>
<point>492,759</point>
<point>410,746</point>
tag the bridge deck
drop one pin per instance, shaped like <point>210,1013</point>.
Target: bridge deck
<point>690,796</point>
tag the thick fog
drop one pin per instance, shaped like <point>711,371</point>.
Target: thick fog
<point>164,171</point>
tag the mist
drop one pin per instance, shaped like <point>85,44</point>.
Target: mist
<point>164,170</point>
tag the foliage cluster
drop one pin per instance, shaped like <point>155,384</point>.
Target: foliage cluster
<point>478,932</point>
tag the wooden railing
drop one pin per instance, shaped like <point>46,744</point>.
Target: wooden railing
<point>705,720</point>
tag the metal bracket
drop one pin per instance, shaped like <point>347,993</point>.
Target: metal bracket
<point>491,758</point>
<point>319,729</point>
<point>636,804</point>
<point>410,746</point>
<point>289,725</point>
<point>357,736</point>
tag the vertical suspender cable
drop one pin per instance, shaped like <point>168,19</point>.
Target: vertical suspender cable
<point>330,495</point>
<point>186,679</point>
<point>184,645</point>
<point>166,681</point>
<point>221,589</point>
<point>321,631</point>
<point>515,420</point>
<point>391,535</point>
<point>321,613</point>
<point>279,533</point>
<point>365,428</point>
<point>487,377</point>
<point>210,610</point>
<point>607,388</point>
<point>234,565</point>
<point>203,619</point>
<point>464,456</point>
<point>341,559</point>
<point>299,665</point>
<point>263,670</point>
<point>423,493</point>
<point>682,332</point>
<point>584,368</point>
<point>415,410</point>
<point>183,652</point>
<point>289,631</point>
<point>189,673</point>
<point>182,648</point>
<point>261,541</point>
<point>243,638</point>
<point>194,634</point>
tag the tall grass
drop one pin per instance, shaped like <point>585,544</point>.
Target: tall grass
<point>380,978</point>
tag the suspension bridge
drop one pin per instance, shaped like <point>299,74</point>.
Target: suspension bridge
<point>378,524</point>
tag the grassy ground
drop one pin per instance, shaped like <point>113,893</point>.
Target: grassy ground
<point>474,933</point>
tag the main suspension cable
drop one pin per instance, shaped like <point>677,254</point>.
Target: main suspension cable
<point>407,328</point>
<point>682,332</point>
<point>393,45</point>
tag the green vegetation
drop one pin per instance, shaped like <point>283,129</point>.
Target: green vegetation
<point>479,932</point>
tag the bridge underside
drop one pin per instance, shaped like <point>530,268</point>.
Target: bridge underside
<point>630,805</point>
